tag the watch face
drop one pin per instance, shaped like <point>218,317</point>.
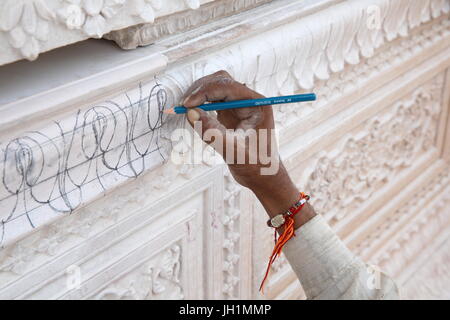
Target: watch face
<point>278,221</point>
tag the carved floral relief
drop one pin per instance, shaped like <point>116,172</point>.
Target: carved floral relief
<point>26,24</point>
<point>343,178</point>
<point>89,15</point>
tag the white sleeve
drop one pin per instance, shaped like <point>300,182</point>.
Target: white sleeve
<point>327,269</point>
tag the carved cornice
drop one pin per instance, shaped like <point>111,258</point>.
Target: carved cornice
<point>284,68</point>
<point>352,77</point>
<point>307,52</point>
<point>28,28</point>
<point>332,58</point>
<point>145,34</point>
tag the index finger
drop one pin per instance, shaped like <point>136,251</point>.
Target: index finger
<point>217,77</point>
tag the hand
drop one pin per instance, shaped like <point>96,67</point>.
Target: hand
<point>243,124</point>
<point>233,134</point>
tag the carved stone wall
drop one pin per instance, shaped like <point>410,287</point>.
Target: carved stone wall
<point>95,207</point>
<point>28,28</point>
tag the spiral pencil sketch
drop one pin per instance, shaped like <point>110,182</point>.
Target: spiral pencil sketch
<point>57,169</point>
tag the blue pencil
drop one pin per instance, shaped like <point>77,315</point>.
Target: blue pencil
<point>247,103</point>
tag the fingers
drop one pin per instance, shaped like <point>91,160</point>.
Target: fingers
<point>216,87</point>
<point>198,84</point>
<point>217,90</point>
<point>210,130</point>
<point>208,127</point>
<point>193,115</point>
<point>220,86</point>
<point>207,122</point>
<point>252,121</point>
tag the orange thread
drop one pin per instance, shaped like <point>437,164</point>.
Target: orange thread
<point>287,235</point>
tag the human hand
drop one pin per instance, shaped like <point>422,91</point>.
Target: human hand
<point>246,140</point>
<point>233,131</point>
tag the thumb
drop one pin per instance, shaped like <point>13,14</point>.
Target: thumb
<point>193,115</point>
<point>208,127</point>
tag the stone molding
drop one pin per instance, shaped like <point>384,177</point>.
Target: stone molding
<point>28,28</point>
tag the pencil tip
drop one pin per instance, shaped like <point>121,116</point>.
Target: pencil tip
<point>169,111</point>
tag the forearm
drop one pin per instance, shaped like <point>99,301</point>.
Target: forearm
<point>319,258</point>
<point>326,268</point>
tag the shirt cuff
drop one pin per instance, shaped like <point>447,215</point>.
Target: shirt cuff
<point>319,258</point>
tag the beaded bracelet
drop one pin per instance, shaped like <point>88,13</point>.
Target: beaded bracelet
<point>285,219</point>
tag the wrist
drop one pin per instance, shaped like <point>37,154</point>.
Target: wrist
<point>278,193</point>
<point>273,184</point>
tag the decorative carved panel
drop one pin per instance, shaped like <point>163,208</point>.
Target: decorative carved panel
<point>346,176</point>
<point>157,238</point>
<point>158,278</point>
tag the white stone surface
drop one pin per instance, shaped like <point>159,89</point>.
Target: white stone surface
<point>372,151</point>
<point>28,28</point>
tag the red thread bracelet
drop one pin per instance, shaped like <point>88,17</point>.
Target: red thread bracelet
<point>285,219</point>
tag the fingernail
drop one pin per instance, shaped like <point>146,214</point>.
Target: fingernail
<point>193,115</point>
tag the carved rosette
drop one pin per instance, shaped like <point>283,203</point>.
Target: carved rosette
<point>90,15</point>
